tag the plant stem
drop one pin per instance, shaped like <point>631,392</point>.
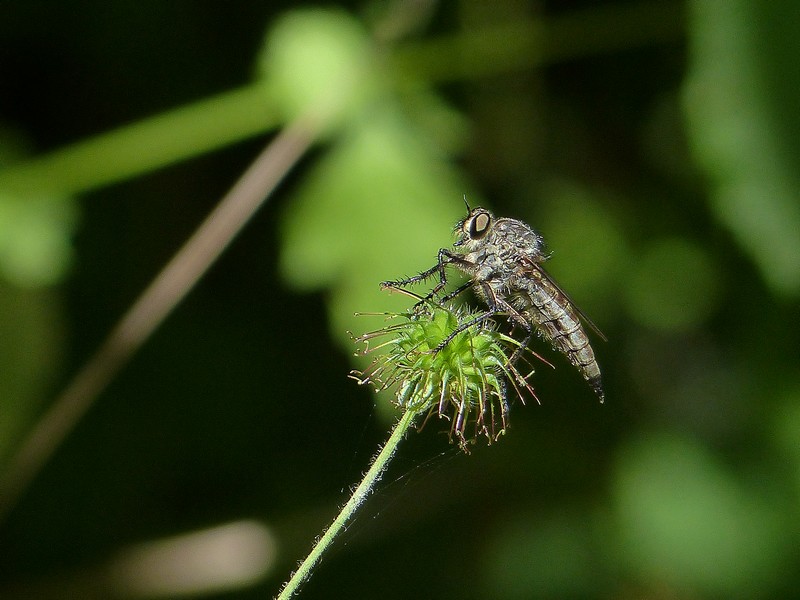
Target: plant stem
<point>520,46</point>
<point>146,145</point>
<point>215,122</point>
<point>169,287</point>
<point>364,488</point>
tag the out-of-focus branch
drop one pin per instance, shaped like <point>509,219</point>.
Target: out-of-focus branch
<point>169,287</point>
<point>145,145</point>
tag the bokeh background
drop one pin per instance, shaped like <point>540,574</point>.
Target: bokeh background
<point>654,144</point>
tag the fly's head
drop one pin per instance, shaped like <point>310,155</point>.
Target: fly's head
<point>473,231</point>
<point>481,235</point>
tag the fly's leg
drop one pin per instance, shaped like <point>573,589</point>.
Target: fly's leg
<point>456,292</point>
<point>463,327</point>
<point>524,343</point>
<point>445,258</point>
<point>496,305</point>
<point>501,305</point>
<point>401,283</point>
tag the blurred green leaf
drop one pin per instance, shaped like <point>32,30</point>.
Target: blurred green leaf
<point>35,244</point>
<point>378,206</point>
<point>744,125</point>
<point>317,59</point>
<point>685,520</point>
<point>673,286</point>
<point>35,229</point>
<point>785,432</point>
<point>31,339</point>
<point>586,240</point>
<point>543,556</point>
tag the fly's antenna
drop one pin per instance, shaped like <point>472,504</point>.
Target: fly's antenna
<point>467,204</point>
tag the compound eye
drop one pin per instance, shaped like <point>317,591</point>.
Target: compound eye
<point>479,225</point>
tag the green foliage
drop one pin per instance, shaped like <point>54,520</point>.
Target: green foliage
<point>31,342</point>
<point>716,535</point>
<point>376,205</point>
<point>35,255</point>
<point>576,217</point>
<point>318,60</point>
<point>657,292</point>
<point>35,229</point>
<point>467,381</point>
<point>241,405</point>
<point>35,236</point>
<point>744,124</point>
<point>560,556</point>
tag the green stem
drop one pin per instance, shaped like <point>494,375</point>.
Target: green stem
<point>519,46</point>
<point>362,491</point>
<point>157,301</point>
<point>232,116</point>
<point>148,144</point>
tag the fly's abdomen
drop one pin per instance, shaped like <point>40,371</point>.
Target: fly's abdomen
<point>552,314</point>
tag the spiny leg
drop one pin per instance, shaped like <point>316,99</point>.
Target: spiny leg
<point>495,305</point>
<point>445,258</point>
<point>456,292</point>
<point>463,327</point>
<point>500,305</point>
<point>400,283</point>
<point>524,343</point>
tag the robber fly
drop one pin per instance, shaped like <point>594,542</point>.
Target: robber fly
<point>503,259</point>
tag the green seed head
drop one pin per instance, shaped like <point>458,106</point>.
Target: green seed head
<point>466,381</point>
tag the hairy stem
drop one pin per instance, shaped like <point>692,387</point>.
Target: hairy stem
<point>364,488</point>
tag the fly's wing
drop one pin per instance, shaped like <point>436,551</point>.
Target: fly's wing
<point>530,265</point>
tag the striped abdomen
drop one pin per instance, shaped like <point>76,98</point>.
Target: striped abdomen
<point>552,313</point>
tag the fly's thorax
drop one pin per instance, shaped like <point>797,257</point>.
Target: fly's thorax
<point>516,240</point>
<point>483,263</point>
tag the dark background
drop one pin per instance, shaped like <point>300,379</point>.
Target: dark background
<point>683,484</point>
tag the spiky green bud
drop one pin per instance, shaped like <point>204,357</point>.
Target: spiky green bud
<point>467,381</point>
